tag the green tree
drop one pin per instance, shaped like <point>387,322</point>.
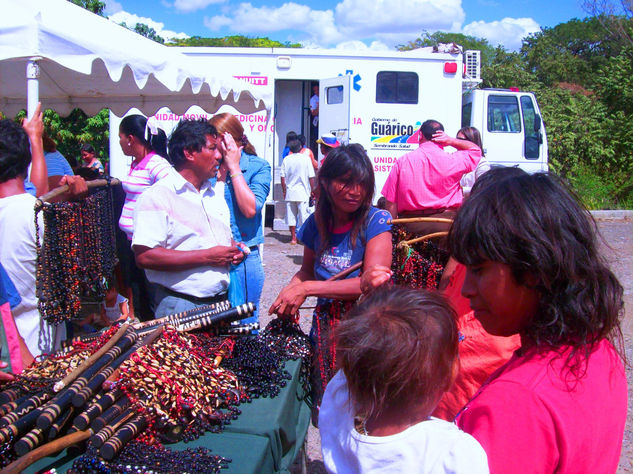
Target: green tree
<point>465,41</point>
<point>145,30</point>
<point>232,41</point>
<point>507,69</point>
<point>95,6</point>
<point>77,128</point>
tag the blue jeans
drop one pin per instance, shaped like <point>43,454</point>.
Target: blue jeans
<point>250,273</point>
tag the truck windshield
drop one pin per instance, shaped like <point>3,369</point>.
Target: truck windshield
<point>503,114</point>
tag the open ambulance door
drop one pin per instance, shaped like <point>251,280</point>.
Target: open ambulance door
<point>334,108</point>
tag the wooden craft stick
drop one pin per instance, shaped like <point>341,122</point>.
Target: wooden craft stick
<point>91,360</point>
<point>45,450</point>
<point>422,239</point>
<point>96,183</point>
<point>345,272</point>
<point>413,220</point>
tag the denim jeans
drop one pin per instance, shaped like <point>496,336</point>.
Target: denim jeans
<point>250,274</point>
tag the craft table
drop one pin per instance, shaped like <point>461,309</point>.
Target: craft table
<point>265,438</point>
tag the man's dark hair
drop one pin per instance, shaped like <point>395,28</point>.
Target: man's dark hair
<point>429,128</point>
<point>189,135</point>
<point>290,136</point>
<point>15,153</point>
<point>295,146</point>
<point>302,139</point>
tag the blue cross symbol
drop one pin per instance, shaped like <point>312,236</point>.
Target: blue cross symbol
<point>356,79</point>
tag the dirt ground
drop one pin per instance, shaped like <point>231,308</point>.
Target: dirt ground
<point>282,260</point>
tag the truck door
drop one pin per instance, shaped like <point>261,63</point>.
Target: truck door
<point>334,108</point>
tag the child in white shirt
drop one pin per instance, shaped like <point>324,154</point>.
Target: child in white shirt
<point>397,351</point>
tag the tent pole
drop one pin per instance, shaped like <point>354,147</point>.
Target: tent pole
<point>32,85</point>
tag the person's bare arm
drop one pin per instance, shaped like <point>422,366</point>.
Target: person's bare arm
<point>34,128</point>
<point>442,138</point>
<point>312,184</point>
<point>378,252</point>
<point>283,186</point>
<point>162,259</point>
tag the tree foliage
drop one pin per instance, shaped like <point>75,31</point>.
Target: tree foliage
<point>232,41</point>
<point>71,132</point>
<point>95,6</point>
<point>145,30</point>
<point>465,41</point>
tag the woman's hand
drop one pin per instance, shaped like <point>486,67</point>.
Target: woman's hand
<point>231,153</point>
<point>374,277</point>
<point>5,376</point>
<point>289,300</point>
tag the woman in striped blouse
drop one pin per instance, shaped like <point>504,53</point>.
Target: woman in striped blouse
<point>147,145</point>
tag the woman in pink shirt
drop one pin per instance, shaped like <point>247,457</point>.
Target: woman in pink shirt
<point>147,145</point>
<point>533,268</point>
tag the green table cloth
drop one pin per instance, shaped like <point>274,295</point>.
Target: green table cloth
<point>264,439</point>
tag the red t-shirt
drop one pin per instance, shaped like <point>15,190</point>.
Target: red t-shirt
<point>534,417</point>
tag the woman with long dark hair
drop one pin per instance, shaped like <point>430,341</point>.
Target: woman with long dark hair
<point>247,183</point>
<point>345,229</point>
<point>147,145</point>
<point>534,269</point>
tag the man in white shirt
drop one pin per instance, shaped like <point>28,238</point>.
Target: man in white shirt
<point>297,183</point>
<point>181,225</point>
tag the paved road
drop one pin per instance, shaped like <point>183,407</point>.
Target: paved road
<point>282,260</point>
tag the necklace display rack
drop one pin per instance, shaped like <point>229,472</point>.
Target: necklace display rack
<point>77,253</point>
<point>132,389</point>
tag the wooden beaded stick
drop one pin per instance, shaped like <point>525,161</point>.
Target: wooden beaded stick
<point>106,432</point>
<point>99,406</point>
<point>119,439</point>
<point>110,414</point>
<point>414,220</point>
<point>92,359</point>
<point>45,450</point>
<point>63,399</point>
<point>25,407</point>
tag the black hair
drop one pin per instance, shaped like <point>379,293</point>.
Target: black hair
<point>135,125</point>
<point>350,164</point>
<point>87,147</point>
<point>397,348</point>
<point>15,152</point>
<point>429,128</point>
<point>290,136</point>
<point>189,135</point>
<point>294,146</point>
<point>533,224</point>
<point>302,139</point>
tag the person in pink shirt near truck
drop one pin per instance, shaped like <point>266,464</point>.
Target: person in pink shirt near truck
<point>425,182</point>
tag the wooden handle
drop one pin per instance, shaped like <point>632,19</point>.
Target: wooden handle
<point>96,183</point>
<point>345,272</point>
<point>422,239</point>
<point>92,359</point>
<point>413,220</point>
<point>45,450</point>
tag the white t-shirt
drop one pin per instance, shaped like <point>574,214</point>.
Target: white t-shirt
<point>297,170</point>
<point>432,446</point>
<point>18,256</point>
<point>468,180</point>
<point>112,313</point>
<point>173,214</point>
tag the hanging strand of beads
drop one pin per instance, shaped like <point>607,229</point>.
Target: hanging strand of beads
<point>417,265</point>
<point>76,255</point>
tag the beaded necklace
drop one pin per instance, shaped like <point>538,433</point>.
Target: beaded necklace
<point>77,254</point>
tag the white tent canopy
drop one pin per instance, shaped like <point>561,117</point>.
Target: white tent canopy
<point>88,62</point>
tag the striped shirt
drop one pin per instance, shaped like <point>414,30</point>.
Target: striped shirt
<point>141,176</point>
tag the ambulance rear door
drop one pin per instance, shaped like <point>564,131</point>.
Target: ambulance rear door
<point>334,108</point>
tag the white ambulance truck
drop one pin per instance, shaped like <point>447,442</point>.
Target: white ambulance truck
<point>377,99</point>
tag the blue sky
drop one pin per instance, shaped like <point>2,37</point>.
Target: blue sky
<point>354,24</point>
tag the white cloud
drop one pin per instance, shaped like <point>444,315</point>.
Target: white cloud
<point>130,19</point>
<point>386,22</point>
<point>508,32</point>
<point>188,6</point>
<point>360,46</point>
<point>112,6</point>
